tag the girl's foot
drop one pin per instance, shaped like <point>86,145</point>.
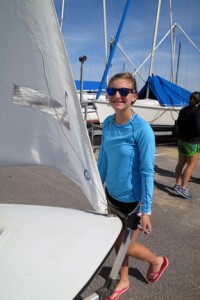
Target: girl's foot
<point>120,289</point>
<point>156,270</point>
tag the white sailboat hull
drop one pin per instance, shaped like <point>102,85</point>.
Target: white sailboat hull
<point>38,245</point>
<point>89,108</point>
<point>156,114</point>
<point>148,109</point>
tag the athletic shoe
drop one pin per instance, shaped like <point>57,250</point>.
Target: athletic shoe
<point>184,193</point>
<point>176,187</point>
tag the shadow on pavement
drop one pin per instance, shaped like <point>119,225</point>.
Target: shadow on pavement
<point>134,272</point>
<point>163,172</point>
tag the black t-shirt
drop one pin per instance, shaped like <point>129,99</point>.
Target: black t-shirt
<point>189,124</point>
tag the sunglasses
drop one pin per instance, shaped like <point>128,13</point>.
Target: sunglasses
<point>122,91</point>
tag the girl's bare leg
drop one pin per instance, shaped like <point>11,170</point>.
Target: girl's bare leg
<point>182,160</point>
<point>137,251</point>
<point>191,165</point>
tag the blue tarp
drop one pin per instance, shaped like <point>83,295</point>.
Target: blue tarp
<point>167,93</point>
<point>89,85</point>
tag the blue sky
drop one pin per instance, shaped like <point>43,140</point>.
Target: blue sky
<point>83,34</point>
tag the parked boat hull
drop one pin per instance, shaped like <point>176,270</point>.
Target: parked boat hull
<point>148,109</point>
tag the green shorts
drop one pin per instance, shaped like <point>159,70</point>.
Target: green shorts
<point>187,149</point>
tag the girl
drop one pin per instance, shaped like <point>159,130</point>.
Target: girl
<point>126,166</point>
<point>188,144</point>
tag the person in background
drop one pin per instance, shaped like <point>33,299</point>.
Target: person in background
<point>126,167</point>
<point>188,144</point>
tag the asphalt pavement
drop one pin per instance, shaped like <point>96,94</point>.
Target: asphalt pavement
<point>176,224</point>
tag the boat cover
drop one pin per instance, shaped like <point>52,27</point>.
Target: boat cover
<point>89,85</point>
<point>167,93</point>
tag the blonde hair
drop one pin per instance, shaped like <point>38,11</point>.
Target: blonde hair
<point>127,76</point>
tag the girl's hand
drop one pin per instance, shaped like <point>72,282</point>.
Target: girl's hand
<point>146,223</point>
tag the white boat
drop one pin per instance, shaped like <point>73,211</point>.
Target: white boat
<point>89,109</point>
<point>159,112</point>
<point>46,252</point>
<point>149,109</point>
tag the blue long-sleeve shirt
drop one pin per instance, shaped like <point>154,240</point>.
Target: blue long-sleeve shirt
<point>126,161</point>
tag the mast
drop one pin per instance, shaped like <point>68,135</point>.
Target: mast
<point>105,32</point>
<point>178,62</point>
<point>172,42</point>
<point>62,15</point>
<point>154,43</point>
<point>113,49</point>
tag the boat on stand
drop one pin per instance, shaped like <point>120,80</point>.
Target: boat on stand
<point>160,109</point>
<point>159,100</point>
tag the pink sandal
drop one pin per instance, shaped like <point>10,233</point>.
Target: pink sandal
<point>159,273</point>
<point>119,293</point>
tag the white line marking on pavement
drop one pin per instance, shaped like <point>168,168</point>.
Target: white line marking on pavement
<point>160,154</point>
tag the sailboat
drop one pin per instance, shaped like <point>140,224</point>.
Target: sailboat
<point>162,100</point>
<point>160,109</point>
<point>46,252</point>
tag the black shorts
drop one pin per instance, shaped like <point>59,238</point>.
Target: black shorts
<point>124,207</point>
